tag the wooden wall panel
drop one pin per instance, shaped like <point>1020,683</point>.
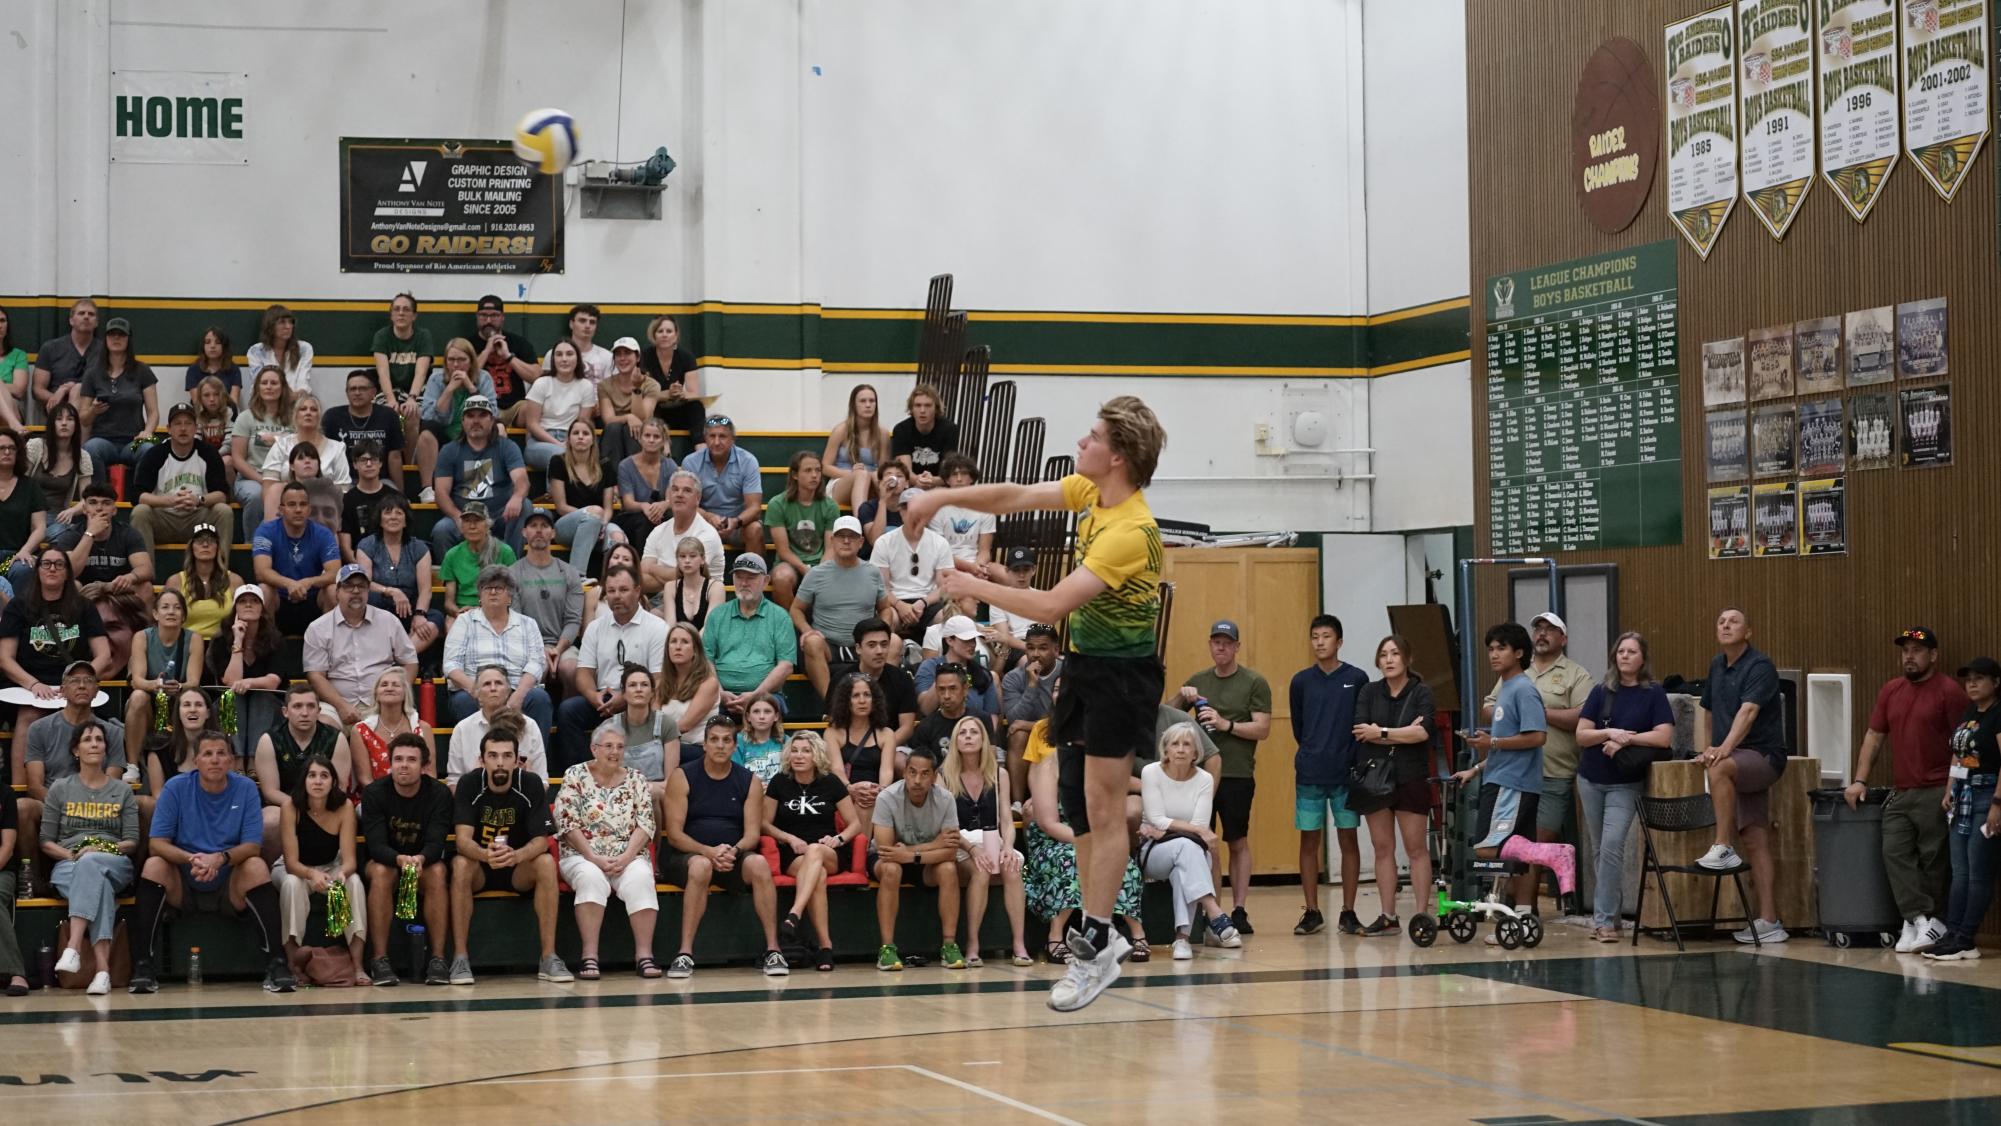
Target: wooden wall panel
<point>1922,542</point>
<point>1271,593</point>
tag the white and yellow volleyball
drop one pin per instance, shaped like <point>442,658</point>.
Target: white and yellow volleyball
<point>546,140</point>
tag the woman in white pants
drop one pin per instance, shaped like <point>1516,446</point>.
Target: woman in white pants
<point>317,830</point>
<point>1175,800</point>
<point>604,817</point>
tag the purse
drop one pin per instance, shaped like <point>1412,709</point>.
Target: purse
<point>1372,781</point>
<point>1631,763</point>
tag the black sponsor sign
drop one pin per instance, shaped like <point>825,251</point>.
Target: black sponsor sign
<point>421,205</point>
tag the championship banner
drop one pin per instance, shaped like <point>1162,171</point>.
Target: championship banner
<point>446,206</point>
<point>1702,126</point>
<point>1859,114</point>
<point>1775,96</point>
<point>1945,88</point>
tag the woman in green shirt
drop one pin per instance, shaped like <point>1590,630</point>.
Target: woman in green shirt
<point>14,370</point>
<point>799,521</point>
<point>460,570</point>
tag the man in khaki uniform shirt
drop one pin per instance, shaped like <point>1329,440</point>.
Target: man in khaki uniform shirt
<point>1564,685</point>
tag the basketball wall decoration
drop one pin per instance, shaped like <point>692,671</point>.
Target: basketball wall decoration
<point>1615,131</point>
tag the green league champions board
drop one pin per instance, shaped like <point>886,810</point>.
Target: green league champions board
<point>1584,405</point>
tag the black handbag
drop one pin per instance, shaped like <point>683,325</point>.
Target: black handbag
<point>1631,763</point>
<point>1372,781</point>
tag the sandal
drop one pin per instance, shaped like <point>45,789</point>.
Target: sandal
<point>1141,951</point>
<point>973,962</point>
<point>588,970</point>
<point>1021,958</point>
<point>647,967</point>
<point>1058,953</point>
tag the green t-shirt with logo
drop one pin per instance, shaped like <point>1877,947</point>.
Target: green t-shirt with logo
<point>805,525</point>
<point>1234,697</point>
<point>403,356</point>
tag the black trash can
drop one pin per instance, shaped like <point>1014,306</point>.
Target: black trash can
<point>1856,907</point>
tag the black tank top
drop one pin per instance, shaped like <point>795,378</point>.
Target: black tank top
<point>701,611</point>
<point>317,847</point>
<point>715,806</point>
<point>864,759</point>
<point>981,812</point>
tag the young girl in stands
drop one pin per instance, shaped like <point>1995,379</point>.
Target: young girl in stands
<point>253,434</point>
<point>244,659</point>
<point>393,716</point>
<point>214,412</point>
<point>205,583</point>
<point>971,774</point>
<point>62,469</point>
<point>688,690</point>
<point>278,345</point>
<point>556,400</point>
<point>165,655</point>
<point>642,484</point>
<point>799,521</point>
<point>583,485</point>
<point>694,592</point>
<point>760,746</point>
<point>212,361</point>
<point>884,511</point>
<point>856,448</point>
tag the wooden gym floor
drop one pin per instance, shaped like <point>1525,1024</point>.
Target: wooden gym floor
<point>1323,1029</point>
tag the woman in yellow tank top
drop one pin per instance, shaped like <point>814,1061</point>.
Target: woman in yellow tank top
<point>205,584</point>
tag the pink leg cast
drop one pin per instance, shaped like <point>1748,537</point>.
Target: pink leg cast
<point>1558,858</point>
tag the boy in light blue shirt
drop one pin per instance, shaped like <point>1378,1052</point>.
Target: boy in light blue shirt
<point>1510,769</point>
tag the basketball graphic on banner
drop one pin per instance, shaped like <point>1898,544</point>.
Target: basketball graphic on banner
<point>546,140</point>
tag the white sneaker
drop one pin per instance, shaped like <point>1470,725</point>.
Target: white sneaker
<point>70,962</point>
<point>1930,932</point>
<point>99,985</point>
<point>1907,939</point>
<point>428,496</point>
<point>1182,951</point>
<point>1762,932</point>
<point>1720,857</point>
<point>1090,972</point>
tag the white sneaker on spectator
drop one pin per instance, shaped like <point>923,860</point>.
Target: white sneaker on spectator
<point>1929,932</point>
<point>1907,939</point>
<point>70,962</point>
<point>99,985</point>
<point>1720,857</point>
<point>1182,951</point>
<point>428,496</point>
<point>1762,932</point>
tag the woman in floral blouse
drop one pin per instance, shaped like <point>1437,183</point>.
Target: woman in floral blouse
<point>604,816</point>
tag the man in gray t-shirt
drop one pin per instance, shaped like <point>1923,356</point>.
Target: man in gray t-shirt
<point>837,593</point>
<point>552,593</point>
<point>916,825</point>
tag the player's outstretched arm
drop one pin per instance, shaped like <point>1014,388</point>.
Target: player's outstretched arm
<point>1052,605</point>
<point>999,498</point>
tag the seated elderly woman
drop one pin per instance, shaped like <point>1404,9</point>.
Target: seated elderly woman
<point>1176,842</point>
<point>605,819</point>
<point>90,828</point>
<point>808,812</point>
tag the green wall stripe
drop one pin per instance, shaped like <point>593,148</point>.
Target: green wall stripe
<point>791,335</point>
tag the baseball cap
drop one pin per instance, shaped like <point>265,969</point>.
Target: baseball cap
<point>490,301</point>
<point>1981,666</point>
<point>961,627</point>
<point>535,514</point>
<point>118,324</point>
<point>205,529</point>
<point>477,403</point>
<point>350,571</point>
<point>751,563</point>
<point>1020,558</point>
<point>1226,628</point>
<point>1554,621</point>
<point>1919,634</point>
<point>73,666</point>
<point>179,409</point>
<point>847,524</point>
<point>474,509</point>
<point>250,589</point>
<point>625,342</point>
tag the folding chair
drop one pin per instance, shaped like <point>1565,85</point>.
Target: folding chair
<point>1689,814</point>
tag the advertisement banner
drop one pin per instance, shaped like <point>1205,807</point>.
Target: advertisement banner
<point>1945,87</point>
<point>179,117</point>
<point>1859,108</point>
<point>1701,80</point>
<point>446,206</point>
<point>1775,96</point>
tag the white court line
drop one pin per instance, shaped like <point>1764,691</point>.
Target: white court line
<point>994,1095</point>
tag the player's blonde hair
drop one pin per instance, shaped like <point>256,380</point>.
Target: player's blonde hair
<point>1135,435</point>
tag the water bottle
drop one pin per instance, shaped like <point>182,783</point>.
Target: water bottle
<point>194,965</point>
<point>45,967</point>
<point>27,878</point>
<point>419,950</point>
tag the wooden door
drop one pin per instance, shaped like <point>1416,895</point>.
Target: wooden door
<point>1271,593</point>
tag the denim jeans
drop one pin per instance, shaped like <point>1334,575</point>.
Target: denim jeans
<point>250,494</point>
<point>1974,860</point>
<point>540,454</point>
<point>583,534</point>
<point>1609,811</point>
<point>106,452</point>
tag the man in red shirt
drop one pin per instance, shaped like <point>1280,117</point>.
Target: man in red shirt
<point>1918,711</point>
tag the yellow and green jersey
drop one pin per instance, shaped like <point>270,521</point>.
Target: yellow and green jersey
<point>1120,545</point>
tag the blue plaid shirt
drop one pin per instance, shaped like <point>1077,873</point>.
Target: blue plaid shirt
<point>474,644</point>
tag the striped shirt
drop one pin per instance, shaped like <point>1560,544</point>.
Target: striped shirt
<point>474,644</point>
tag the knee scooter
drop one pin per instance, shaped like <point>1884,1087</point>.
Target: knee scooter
<point>1514,927</point>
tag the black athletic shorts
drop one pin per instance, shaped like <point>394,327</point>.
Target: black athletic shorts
<point>1232,809</point>
<point>674,870</point>
<point>493,879</point>
<point>1105,710</point>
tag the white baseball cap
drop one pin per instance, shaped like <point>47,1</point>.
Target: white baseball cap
<point>961,627</point>
<point>847,524</point>
<point>625,342</point>
<point>1552,619</point>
